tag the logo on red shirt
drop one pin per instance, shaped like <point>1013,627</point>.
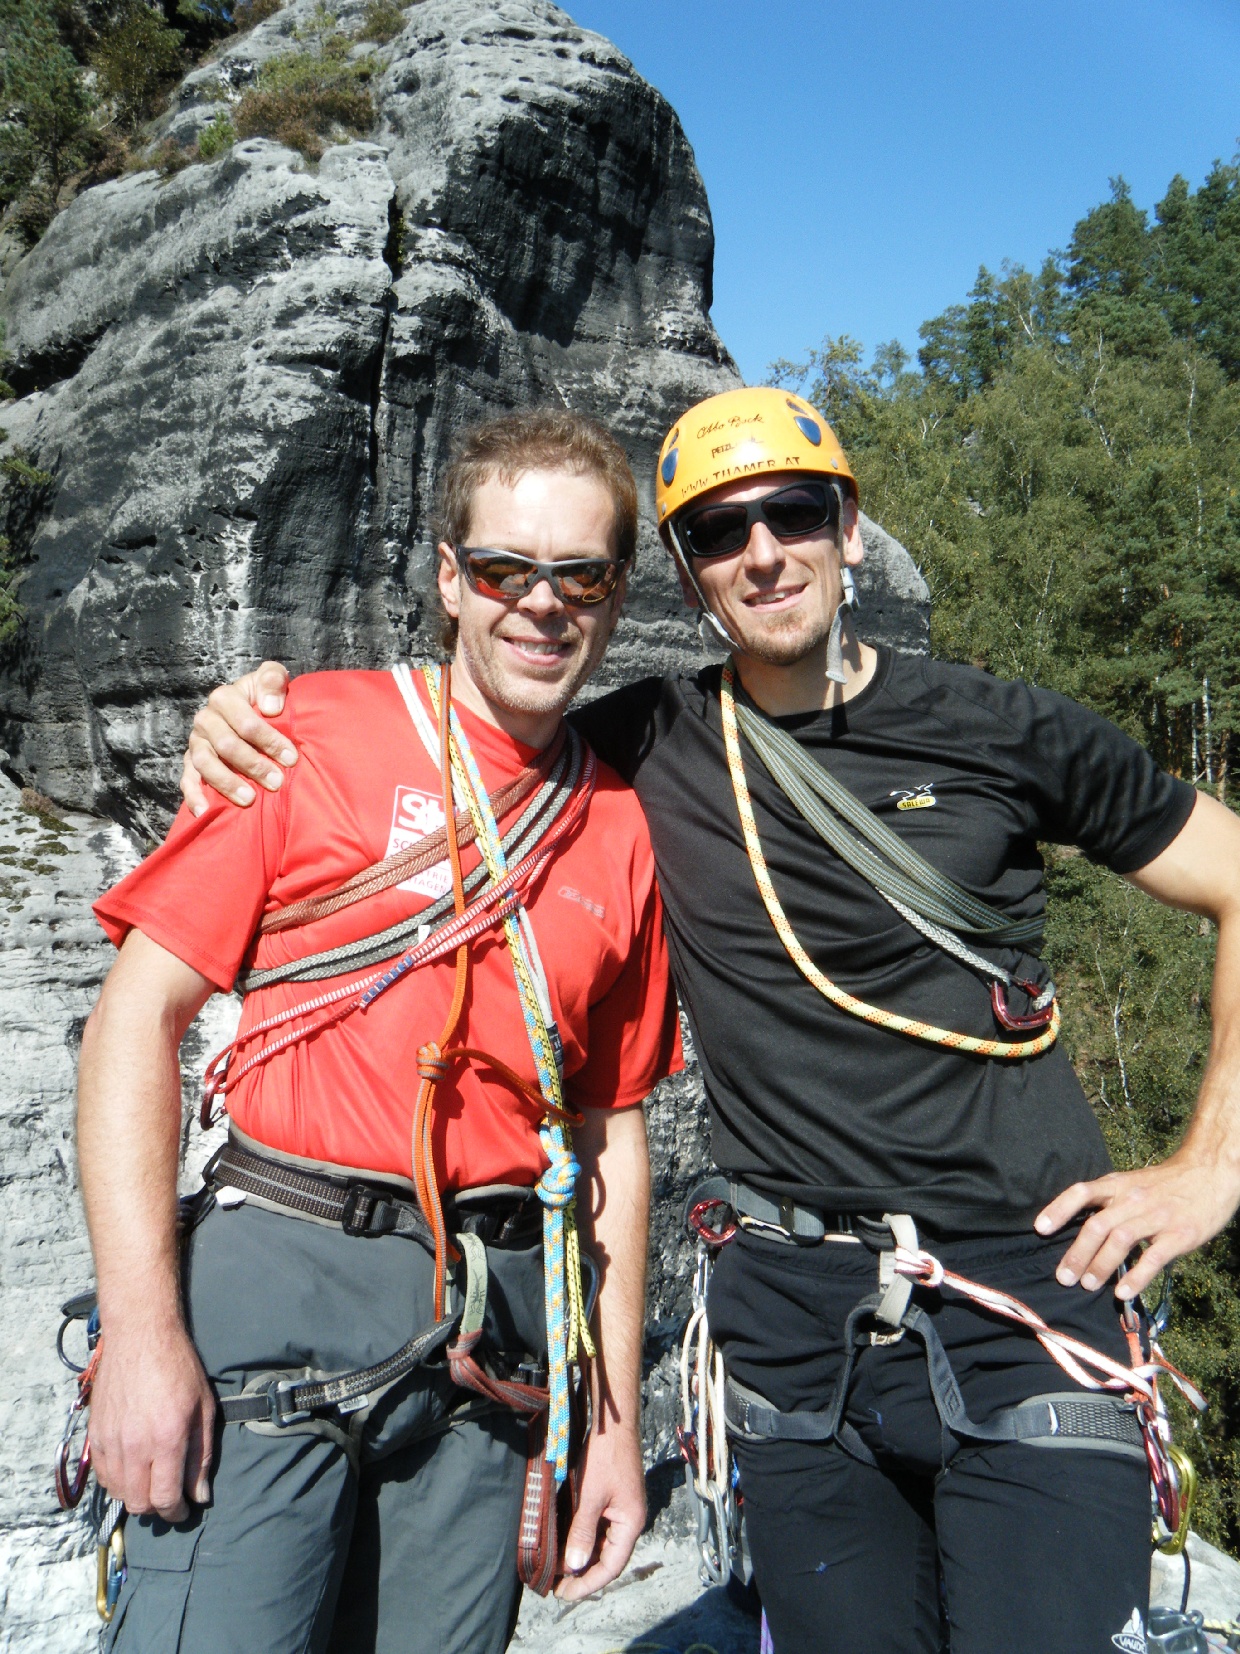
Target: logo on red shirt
<point>414,815</point>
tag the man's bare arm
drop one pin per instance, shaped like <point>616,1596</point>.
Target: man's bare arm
<point>151,1409</point>
<point>614,1215</point>
<point>1184,1201</point>
<point>232,744</point>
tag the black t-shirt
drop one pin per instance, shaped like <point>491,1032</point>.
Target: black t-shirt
<point>807,1101</point>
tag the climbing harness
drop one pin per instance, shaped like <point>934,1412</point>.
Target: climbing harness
<point>906,880</point>
<point>1117,1409</point>
<point>1121,1411</point>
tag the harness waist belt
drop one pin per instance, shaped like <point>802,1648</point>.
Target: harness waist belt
<point>800,1223</point>
<point>507,1219</point>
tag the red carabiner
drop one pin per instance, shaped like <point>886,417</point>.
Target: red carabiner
<point>71,1487</point>
<point>1007,1018</point>
<point>697,1221</point>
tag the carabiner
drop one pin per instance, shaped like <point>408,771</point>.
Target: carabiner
<point>1008,1019</point>
<point>698,1222</point>
<point>110,1574</point>
<point>71,1487</point>
<point>1184,1495</point>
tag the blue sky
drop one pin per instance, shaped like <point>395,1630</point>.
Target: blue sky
<point>862,161</point>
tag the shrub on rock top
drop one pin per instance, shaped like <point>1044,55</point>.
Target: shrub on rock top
<point>137,58</point>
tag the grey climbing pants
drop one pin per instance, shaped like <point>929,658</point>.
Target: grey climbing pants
<point>402,1538</point>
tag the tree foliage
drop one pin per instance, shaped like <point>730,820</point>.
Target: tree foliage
<point>135,59</point>
<point>46,113</point>
<point>1064,459</point>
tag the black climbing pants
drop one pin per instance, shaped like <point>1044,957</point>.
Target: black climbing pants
<point>1020,1548</point>
<point>406,1545</point>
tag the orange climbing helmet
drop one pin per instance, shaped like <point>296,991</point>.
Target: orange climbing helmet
<point>743,433</point>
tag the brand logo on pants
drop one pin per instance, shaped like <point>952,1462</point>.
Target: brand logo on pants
<point>1132,1637</point>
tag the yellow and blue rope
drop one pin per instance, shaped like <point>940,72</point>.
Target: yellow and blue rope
<point>566,1322</point>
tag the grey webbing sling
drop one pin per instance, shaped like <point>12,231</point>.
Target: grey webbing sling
<point>938,908</point>
<point>521,838</point>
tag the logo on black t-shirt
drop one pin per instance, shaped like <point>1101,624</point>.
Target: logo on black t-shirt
<point>922,799</point>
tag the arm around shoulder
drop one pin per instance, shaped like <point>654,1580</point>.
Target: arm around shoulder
<point>231,743</point>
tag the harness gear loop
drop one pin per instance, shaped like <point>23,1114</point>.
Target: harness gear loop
<point>844,1001</point>
<point>702,1433</point>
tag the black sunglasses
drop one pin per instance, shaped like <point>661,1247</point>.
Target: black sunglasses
<point>800,508</point>
<point>509,576</point>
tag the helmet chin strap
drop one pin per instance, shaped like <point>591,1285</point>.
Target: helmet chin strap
<point>835,638</point>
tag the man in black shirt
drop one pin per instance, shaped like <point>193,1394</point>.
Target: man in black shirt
<point>895,1530</point>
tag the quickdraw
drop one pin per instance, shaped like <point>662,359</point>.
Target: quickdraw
<point>107,1515</point>
<point>70,1477</point>
<point>1173,1477</point>
<point>710,1473</point>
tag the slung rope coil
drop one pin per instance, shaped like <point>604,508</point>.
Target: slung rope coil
<point>916,1029</point>
<point>403,864</point>
<point>520,839</point>
<point>887,861</point>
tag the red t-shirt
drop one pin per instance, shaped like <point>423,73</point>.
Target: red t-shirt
<point>364,787</point>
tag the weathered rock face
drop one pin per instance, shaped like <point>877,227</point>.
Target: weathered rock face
<point>243,380</point>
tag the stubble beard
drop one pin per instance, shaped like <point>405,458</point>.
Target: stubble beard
<point>526,695</point>
<point>785,640</point>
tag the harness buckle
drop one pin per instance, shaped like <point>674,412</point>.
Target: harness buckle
<point>281,1403</point>
<point>359,1206</point>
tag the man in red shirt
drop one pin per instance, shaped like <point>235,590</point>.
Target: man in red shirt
<point>267,1508</point>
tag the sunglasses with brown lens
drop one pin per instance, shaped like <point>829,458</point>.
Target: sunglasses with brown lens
<point>509,576</point>
<point>800,508</point>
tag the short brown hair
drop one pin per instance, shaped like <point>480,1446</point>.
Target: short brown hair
<point>533,439</point>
